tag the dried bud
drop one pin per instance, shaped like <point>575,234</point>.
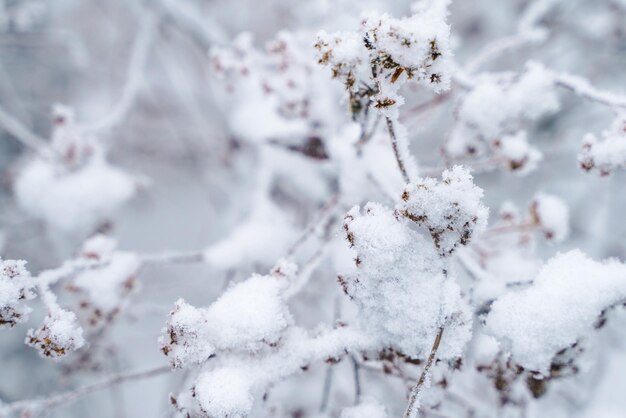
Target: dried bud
<point>451,209</point>
<point>59,334</point>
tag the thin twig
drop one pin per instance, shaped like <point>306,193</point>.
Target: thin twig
<point>173,257</point>
<point>134,78</point>
<point>320,219</point>
<point>413,406</point>
<point>396,151</point>
<point>583,88</point>
<point>53,401</point>
<point>202,28</point>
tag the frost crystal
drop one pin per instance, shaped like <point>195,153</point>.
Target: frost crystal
<point>400,287</point>
<point>59,334</point>
<point>607,154</point>
<point>16,286</point>
<point>451,209</point>
<point>567,298</point>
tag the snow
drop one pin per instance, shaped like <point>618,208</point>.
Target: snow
<point>451,209</point>
<point>244,379</point>
<point>517,153</point>
<point>566,299</point>
<point>249,316</point>
<point>183,340</point>
<point>497,108</point>
<point>387,52</point>
<point>59,334</point>
<point>225,392</point>
<point>485,349</point>
<point>107,286</point>
<point>399,285</point>
<point>16,287</point>
<point>367,408</point>
<point>72,199</point>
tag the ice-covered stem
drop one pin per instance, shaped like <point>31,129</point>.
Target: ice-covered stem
<point>323,216</point>
<point>583,88</point>
<point>202,29</point>
<point>413,406</point>
<point>173,257</point>
<point>134,78</point>
<point>578,85</point>
<point>32,406</point>
<point>397,150</point>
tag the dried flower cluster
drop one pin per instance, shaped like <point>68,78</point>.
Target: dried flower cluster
<point>608,154</point>
<point>451,209</point>
<point>376,61</point>
<point>16,287</point>
<point>493,117</point>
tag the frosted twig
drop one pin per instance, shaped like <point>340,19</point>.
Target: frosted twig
<point>499,46</point>
<point>357,379</point>
<point>412,408</point>
<point>53,401</point>
<point>203,29</point>
<point>528,32</point>
<point>581,87</point>
<point>173,257</point>
<point>134,77</point>
<point>324,213</point>
<point>25,135</point>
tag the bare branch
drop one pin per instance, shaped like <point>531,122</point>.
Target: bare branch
<point>24,135</point>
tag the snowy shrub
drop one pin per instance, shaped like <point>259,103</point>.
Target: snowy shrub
<point>357,209</point>
<point>565,301</point>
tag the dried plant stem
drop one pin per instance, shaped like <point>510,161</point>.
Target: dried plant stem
<point>412,408</point>
<point>396,151</point>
